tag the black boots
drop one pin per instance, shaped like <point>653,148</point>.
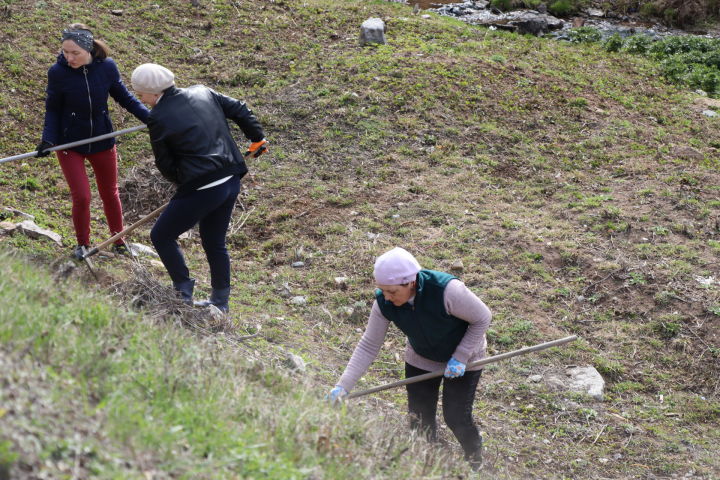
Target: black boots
<point>79,252</point>
<point>474,458</point>
<point>219,297</point>
<point>185,290</point>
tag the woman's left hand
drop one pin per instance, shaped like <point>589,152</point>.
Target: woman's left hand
<point>454,369</point>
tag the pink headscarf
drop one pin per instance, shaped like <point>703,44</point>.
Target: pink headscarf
<point>396,267</point>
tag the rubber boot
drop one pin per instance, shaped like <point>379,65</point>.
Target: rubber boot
<point>219,297</point>
<point>185,290</point>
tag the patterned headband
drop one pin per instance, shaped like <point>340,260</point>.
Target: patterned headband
<point>84,38</point>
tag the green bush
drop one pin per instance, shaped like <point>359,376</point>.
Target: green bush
<point>613,43</point>
<point>683,44</point>
<point>562,8</point>
<point>637,44</point>
<point>585,35</point>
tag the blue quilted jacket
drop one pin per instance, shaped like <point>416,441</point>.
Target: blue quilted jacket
<point>76,106</point>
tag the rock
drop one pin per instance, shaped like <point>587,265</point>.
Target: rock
<point>578,22</point>
<point>295,362</point>
<point>215,313</point>
<point>18,213</point>
<point>140,249</point>
<point>579,379</point>
<point>457,266</point>
<point>298,300</point>
<point>535,378</point>
<point>298,264</point>
<point>595,12</point>
<point>341,282</point>
<point>7,228</point>
<point>117,13</point>
<point>284,290</point>
<point>532,23</point>
<point>356,314</point>
<point>709,113</point>
<point>372,31</point>
<point>32,230</point>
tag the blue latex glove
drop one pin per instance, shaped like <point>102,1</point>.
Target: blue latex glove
<point>337,394</point>
<point>454,369</point>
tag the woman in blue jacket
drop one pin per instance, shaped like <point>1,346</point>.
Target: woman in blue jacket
<point>76,108</point>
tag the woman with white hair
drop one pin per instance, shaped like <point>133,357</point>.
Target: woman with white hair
<point>195,150</point>
<point>445,325</point>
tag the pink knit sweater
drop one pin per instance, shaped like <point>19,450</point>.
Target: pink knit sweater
<point>459,302</point>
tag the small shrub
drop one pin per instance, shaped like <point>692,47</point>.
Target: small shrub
<point>584,35</point>
<point>649,10</point>
<point>578,102</point>
<point>637,278</point>
<point>561,8</point>
<point>613,43</point>
<point>666,328</point>
<point>638,44</point>
<point>32,184</point>
<point>609,368</point>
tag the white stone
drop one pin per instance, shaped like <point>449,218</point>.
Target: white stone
<point>579,379</point>
<point>295,362</point>
<point>140,249</point>
<point>372,30</point>
<point>298,300</point>
<point>32,230</point>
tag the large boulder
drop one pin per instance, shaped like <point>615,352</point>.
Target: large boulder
<point>372,30</point>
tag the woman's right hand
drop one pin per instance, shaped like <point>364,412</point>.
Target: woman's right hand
<point>42,148</point>
<point>337,394</point>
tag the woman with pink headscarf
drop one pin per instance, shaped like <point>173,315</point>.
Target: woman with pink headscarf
<point>445,324</point>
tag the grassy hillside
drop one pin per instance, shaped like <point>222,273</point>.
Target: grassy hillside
<point>580,193</point>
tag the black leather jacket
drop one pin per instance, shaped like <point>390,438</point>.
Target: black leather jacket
<point>191,138</point>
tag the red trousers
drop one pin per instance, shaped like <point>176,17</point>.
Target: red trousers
<point>104,164</point>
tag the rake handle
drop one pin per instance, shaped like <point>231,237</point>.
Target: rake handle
<point>484,361</point>
<point>129,229</point>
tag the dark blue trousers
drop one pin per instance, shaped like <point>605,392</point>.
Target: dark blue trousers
<point>211,208</point>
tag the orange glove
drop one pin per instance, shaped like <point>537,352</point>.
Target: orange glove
<point>257,148</point>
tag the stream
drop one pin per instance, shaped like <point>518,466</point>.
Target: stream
<point>541,22</point>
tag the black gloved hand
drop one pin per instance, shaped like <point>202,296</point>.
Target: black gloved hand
<point>42,148</point>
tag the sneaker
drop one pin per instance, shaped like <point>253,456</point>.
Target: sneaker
<point>79,252</point>
<point>123,249</point>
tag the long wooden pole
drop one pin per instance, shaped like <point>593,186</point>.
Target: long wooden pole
<point>129,229</point>
<point>484,361</point>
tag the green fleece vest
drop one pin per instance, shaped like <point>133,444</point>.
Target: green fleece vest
<point>431,331</point>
